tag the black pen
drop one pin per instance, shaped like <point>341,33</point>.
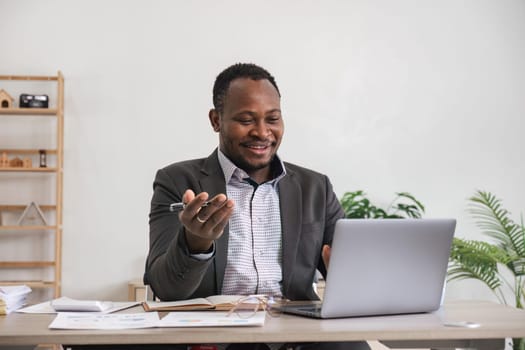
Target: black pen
<point>181,206</point>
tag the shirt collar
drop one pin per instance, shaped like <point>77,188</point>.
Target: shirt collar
<point>230,170</point>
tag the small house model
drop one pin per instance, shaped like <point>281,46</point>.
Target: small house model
<point>6,101</point>
<point>16,163</point>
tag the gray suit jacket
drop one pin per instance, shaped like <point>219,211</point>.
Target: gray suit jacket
<point>309,210</point>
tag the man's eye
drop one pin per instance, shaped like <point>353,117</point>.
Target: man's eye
<point>274,120</point>
<point>245,121</point>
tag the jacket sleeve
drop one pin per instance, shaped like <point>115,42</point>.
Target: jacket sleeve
<point>170,270</point>
<point>334,212</point>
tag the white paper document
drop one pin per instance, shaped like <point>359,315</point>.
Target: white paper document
<point>70,320</point>
<point>88,320</point>
<point>7,292</point>
<point>47,306</point>
<point>13,298</point>
<point>210,319</point>
<point>68,305</point>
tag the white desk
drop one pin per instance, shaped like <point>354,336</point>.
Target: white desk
<point>417,330</point>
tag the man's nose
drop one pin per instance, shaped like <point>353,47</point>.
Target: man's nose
<point>261,130</point>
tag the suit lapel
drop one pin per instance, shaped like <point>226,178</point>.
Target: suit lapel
<point>291,208</point>
<point>213,182</point>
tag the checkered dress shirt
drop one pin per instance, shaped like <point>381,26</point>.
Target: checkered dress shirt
<point>254,263</point>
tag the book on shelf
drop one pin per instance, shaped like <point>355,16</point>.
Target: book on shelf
<point>214,302</point>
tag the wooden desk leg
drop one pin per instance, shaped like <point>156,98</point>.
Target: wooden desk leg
<point>478,344</point>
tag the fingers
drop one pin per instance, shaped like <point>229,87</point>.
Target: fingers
<point>205,219</point>
<point>208,208</point>
<point>325,253</point>
<point>193,202</point>
<point>215,216</point>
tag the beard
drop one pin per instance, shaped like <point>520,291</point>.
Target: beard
<point>250,167</point>
<point>239,153</point>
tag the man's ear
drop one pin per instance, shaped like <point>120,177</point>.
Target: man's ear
<point>214,120</point>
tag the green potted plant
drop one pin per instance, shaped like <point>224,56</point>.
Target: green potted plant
<point>491,263</point>
<point>357,206</point>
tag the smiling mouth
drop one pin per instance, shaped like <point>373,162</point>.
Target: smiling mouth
<point>258,146</point>
<point>258,149</point>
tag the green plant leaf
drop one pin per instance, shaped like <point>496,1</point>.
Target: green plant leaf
<point>494,221</point>
<point>478,260</point>
<point>357,205</point>
<point>418,204</point>
<point>410,209</point>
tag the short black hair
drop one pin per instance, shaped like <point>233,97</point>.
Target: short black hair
<point>238,70</point>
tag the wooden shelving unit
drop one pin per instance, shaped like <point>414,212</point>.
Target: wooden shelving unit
<point>31,284</point>
<point>29,111</point>
<point>30,170</point>
<point>27,228</point>
<point>26,151</point>
<point>26,264</point>
<point>53,229</point>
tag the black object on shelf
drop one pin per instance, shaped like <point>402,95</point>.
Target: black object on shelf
<point>34,101</point>
<point>43,158</point>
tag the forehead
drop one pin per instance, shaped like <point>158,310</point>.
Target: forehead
<point>247,92</point>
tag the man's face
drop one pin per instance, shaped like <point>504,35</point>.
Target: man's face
<point>250,126</point>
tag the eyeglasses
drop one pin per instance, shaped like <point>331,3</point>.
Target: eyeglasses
<point>248,306</point>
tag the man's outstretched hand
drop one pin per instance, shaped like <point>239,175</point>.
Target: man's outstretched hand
<point>204,223</point>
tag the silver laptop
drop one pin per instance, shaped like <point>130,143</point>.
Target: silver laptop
<point>382,267</point>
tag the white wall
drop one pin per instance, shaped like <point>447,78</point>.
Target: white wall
<point>384,96</point>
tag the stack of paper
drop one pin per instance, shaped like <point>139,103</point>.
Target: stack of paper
<point>68,304</point>
<point>12,298</point>
<point>73,305</point>
<point>72,320</point>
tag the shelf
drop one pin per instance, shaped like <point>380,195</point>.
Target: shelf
<point>27,151</point>
<point>27,228</point>
<point>29,77</point>
<point>16,207</point>
<point>25,264</point>
<point>29,111</point>
<point>29,170</point>
<point>30,284</point>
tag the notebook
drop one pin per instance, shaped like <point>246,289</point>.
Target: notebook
<point>383,267</point>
